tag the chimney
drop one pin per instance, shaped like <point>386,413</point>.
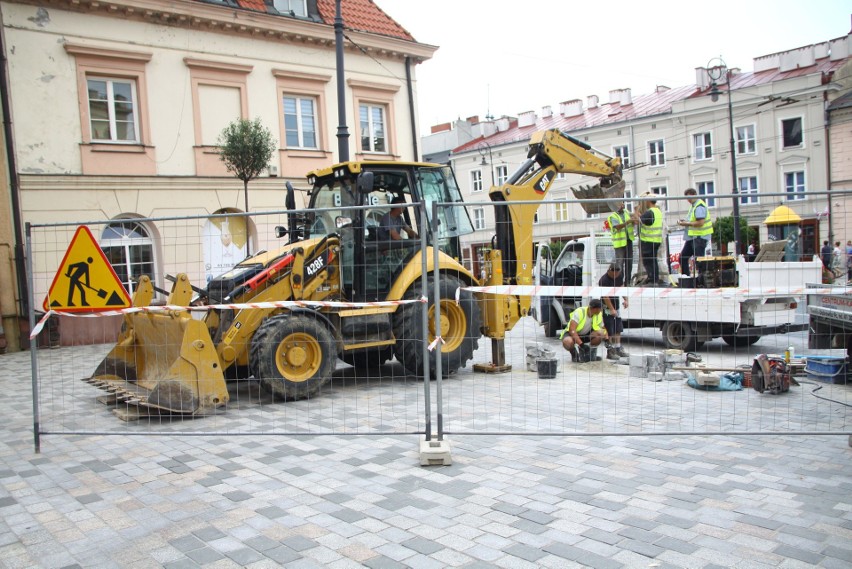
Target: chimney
<point>625,98</point>
<point>572,108</point>
<point>526,118</point>
<point>488,128</point>
<point>502,124</point>
<point>662,89</point>
<point>702,78</point>
<point>766,62</point>
<point>473,120</point>
<point>593,101</point>
<point>441,127</point>
<point>796,58</point>
<point>546,112</point>
<point>841,48</point>
<point>615,96</point>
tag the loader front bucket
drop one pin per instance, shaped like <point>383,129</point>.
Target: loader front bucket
<point>165,362</point>
<point>613,192</point>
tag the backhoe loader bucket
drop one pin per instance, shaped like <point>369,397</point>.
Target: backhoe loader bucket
<point>613,192</point>
<point>164,361</point>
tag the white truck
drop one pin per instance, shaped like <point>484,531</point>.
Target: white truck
<point>830,318</point>
<point>735,300</point>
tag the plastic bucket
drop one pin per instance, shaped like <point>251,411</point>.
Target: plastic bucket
<point>546,368</point>
<point>828,369</point>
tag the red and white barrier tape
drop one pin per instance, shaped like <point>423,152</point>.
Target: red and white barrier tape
<point>651,292</point>
<point>247,306</point>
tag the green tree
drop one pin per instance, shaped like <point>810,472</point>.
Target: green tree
<point>245,147</point>
<point>723,232</point>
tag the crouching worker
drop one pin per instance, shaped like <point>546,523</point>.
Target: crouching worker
<point>584,332</point>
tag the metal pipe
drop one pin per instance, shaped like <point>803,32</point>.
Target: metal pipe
<point>735,190</point>
<point>342,129</point>
<point>411,108</point>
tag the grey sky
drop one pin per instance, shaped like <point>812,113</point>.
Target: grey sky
<point>507,57</point>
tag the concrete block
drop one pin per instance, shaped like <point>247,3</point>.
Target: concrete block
<point>435,452</point>
<point>638,371</point>
<point>637,360</point>
<point>674,375</point>
<point>655,376</point>
<point>707,378</point>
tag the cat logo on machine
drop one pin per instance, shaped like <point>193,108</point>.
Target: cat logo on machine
<point>315,266</point>
<point>544,183</point>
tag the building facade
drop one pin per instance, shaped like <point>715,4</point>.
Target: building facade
<point>116,108</point>
<point>677,138</point>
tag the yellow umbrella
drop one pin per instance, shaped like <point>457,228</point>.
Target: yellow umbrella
<point>782,215</point>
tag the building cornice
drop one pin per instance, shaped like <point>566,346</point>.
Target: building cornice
<point>220,19</point>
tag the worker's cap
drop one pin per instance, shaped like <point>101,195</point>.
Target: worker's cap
<point>596,303</point>
<point>650,196</point>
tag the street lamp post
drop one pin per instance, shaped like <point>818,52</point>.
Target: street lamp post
<point>483,148</point>
<point>715,74</point>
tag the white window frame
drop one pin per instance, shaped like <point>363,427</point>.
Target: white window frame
<point>369,128</point>
<point>126,238</point>
<point>561,210</point>
<point>749,195</point>
<point>622,151</point>
<point>111,115</point>
<point>300,121</point>
<point>657,153</point>
<point>294,7</point>
<point>709,197</point>
<point>478,218</point>
<point>501,174</point>
<point>747,139</point>
<point>661,191</point>
<point>476,181</point>
<point>781,122</point>
<point>702,144</point>
<point>797,192</point>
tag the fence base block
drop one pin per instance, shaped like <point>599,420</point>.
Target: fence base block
<point>435,452</point>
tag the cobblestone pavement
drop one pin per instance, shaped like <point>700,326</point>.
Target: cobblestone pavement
<point>241,499</point>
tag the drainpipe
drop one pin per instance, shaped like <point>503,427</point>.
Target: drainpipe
<point>14,184</point>
<point>827,122</point>
<point>410,87</point>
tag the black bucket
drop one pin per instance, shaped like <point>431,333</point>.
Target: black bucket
<point>546,368</point>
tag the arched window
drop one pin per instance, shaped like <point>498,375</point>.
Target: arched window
<point>129,250</point>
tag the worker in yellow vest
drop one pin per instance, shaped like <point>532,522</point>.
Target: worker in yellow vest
<point>650,237</point>
<point>699,228</point>
<point>621,229</point>
<point>585,331</point>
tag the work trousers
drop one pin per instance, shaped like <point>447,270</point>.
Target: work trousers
<point>692,248</point>
<point>650,261</point>
<point>624,257</point>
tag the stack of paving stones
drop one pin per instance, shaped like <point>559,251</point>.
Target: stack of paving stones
<point>181,501</point>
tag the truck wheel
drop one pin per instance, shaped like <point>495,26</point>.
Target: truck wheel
<point>293,356</point>
<point>553,326</point>
<point>680,336</point>
<point>460,323</point>
<point>740,341</point>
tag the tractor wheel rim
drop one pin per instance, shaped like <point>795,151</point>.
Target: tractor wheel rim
<point>453,325</point>
<point>298,357</point>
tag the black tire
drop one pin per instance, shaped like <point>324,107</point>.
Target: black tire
<point>367,359</point>
<point>740,341</point>
<point>293,356</point>
<point>460,328</point>
<point>680,336</point>
<point>553,327</point>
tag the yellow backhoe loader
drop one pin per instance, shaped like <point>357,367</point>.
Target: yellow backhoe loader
<point>338,253</point>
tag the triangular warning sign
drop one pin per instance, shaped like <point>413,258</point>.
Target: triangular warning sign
<point>85,281</point>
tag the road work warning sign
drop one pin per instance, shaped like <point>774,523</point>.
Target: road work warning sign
<point>85,281</point>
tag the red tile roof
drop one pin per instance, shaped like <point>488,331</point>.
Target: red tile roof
<point>656,103</point>
<point>642,106</point>
<point>361,15</point>
<point>365,16</point>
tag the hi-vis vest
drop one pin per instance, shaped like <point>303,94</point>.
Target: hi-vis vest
<point>597,320</point>
<point>652,233</point>
<point>707,228</point>
<point>619,236</point>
